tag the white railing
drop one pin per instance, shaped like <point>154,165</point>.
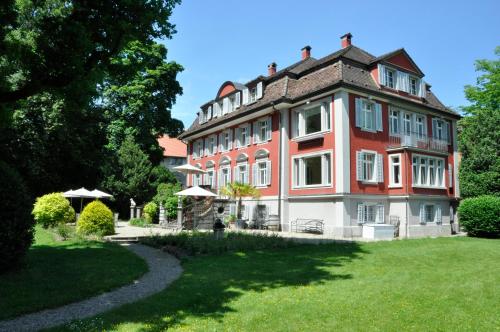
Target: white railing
<point>416,140</point>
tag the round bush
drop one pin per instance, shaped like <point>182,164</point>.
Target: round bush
<point>53,209</point>
<point>480,216</point>
<point>16,223</point>
<point>150,211</point>
<point>96,218</point>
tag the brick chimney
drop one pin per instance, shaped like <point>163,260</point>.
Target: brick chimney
<point>306,52</point>
<point>346,40</point>
<point>271,69</point>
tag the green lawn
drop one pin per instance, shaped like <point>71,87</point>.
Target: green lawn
<point>446,284</point>
<point>60,272</point>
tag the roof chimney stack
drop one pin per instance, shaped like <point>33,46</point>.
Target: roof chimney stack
<point>346,40</point>
<point>271,69</point>
<point>306,52</point>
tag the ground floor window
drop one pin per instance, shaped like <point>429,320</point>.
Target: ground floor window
<point>210,178</point>
<point>224,176</point>
<point>369,166</point>
<point>241,173</point>
<point>312,170</point>
<point>430,213</point>
<point>261,173</point>
<point>370,213</point>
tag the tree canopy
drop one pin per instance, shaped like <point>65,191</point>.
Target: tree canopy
<point>479,139</point>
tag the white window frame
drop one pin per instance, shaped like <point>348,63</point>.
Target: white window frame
<point>257,130</point>
<point>421,168</point>
<point>299,119</point>
<point>210,177</point>
<point>394,121</point>
<point>223,181</point>
<point>378,167</point>
<point>299,172</point>
<point>392,76</point>
<point>225,144</point>
<point>239,141</point>
<point>212,145</point>
<point>238,172</point>
<point>392,165</point>
<point>420,127</point>
<point>367,110</point>
<point>414,90</point>
<point>363,213</point>
<point>437,217</point>
<point>252,95</point>
<point>198,149</point>
<point>256,173</point>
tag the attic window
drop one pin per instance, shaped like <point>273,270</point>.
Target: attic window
<point>389,78</point>
<point>252,95</point>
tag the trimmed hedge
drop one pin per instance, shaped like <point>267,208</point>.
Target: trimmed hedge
<point>53,209</point>
<point>16,223</point>
<point>480,216</point>
<point>96,219</point>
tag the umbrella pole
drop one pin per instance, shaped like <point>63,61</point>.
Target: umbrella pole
<point>81,204</point>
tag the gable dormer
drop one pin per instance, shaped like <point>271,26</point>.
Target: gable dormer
<point>398,72</point>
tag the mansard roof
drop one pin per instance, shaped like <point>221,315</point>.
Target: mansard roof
<point>348,67</point>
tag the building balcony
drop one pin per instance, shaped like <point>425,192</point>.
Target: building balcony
<point>417,141</point>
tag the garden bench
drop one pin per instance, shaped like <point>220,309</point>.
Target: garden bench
<point>307,225</point>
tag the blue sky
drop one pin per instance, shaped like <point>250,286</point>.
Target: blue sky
<point>221,40</point>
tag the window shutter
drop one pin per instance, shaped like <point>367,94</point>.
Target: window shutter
<point>254,174</point>
<point>230,179</point>
<point>378,117</point>
<point>438,214</point>
<point>230,145</point>
<point>259,90</point>
<point>380,214</point>
<point>422,89</point>
<point>225,105</point>
<point>215,110</point>
<point>237,99</point>
<point>255,131</point>
<point>207,152</point>
<point>247,136</point>
<point>236,174</point>
<point>215,179</point>
<point>245,96</point>
<point>450,176</point>
<point>209,112</point>
<point>358,104</point>
<point>268,172</point>
<point>237,137</point>
<point>214,147</point>
<point>447,131</point>
<point>268,128</point>
<point>422,213</point>
<point>360,213</point>
<point>434,128</point>
<point>381,74</point>
<point>380,168</point>
<point>359,169</point>
<point>221,138</point>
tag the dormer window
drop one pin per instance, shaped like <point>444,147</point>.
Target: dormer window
<point>389,78</point>
<point>253,95</point>
<point>414,85</point>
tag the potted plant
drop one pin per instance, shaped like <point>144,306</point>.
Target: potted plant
<point>237,191</point>
<point>230,220</point>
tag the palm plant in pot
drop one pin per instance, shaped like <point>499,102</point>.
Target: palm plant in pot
<point>236,191</point>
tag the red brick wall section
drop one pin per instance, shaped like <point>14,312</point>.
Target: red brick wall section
<point>402,61</point>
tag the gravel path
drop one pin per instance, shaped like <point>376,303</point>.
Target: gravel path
<point>163,270</point>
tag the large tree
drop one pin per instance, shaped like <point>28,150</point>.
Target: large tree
<point>479,139</point>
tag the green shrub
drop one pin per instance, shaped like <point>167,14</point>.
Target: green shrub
<point>150,211</point>
<point>480,216</point>
<point>195,243</point>
<point>65,232</point>
<point>165,195</point>
<point>97,219</point>
<point>16,223</point>
<point>171,207</point>
<point>53,209</point>
<point>139,222</point>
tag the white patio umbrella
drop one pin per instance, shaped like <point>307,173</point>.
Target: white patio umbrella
<point>79,193</point>
<point>100,194</point>
<point>189,169</point>
<point>69,194</point>
<point>196,191</point>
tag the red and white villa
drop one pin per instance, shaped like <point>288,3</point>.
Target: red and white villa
<point>355,140</point>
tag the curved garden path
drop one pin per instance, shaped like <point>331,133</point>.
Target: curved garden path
<point>163,270</point>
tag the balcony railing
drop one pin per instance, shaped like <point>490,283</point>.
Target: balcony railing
<point>418,141</point>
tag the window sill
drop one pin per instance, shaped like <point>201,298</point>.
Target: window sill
<point>369,182</point>
<point>428,187</point>
<point>368,130</point>
<point>395,186</point>
<point>309,137</point>
<point>319,186</point>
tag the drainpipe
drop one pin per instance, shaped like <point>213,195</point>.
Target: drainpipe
<point>280,166</point>
<point>407,193</point>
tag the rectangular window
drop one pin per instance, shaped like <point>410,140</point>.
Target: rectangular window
<point>368,116</point>
<point>369,167</point>
<point>312,170</point>
<point>241,173</point>
<point>395,170</point>
<point>420,126</point>
<point>212,144</point>
<point>370,213</point>
<point>429,213</point>
<point>261,173</point>
<point>198,149</point>
<point>225,141</point>
<point>311,120</point>
<point>242,136</point>
<point>394,122</point>
<point>389,78</point>
<point>252,95</point>
<point>262,130</point>
<point>225,176</point>
<point>428,171</point>
<point>209,178</point>
<point>414,86</point>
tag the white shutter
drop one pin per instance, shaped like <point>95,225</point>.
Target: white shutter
<point>438,214</point>
<point>237,137</point>
<point>422,89</point>
<point>268,127</point>
<point>259,90</point>
<point>215,179</point>
<point>256,132</point>
<point>225,105</point>
<point>236,174</point>
<point>422,213</point>
<point>360,213</point>
<point>247,136</point>
<point>214,148</point>
<point>403,81</point>
<point>268,172</point>
<point>378,117</point>
<point>358,105</point>
<point>450,176</point>
<point>381,74</point>
<point>207,152</point>
<point>237,99</point>
<point>209,113</point>
<point>254,174</point>
<point>380,168</point>
<point>230,145</point>
<point>215,110</point>
<point>245,96</point>
<point>221,139</point>
<point>380,214</point>
<point>359,168</point>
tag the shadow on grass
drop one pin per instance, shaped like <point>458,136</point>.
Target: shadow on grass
<point>210,283</point>
<point>54,275</point>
